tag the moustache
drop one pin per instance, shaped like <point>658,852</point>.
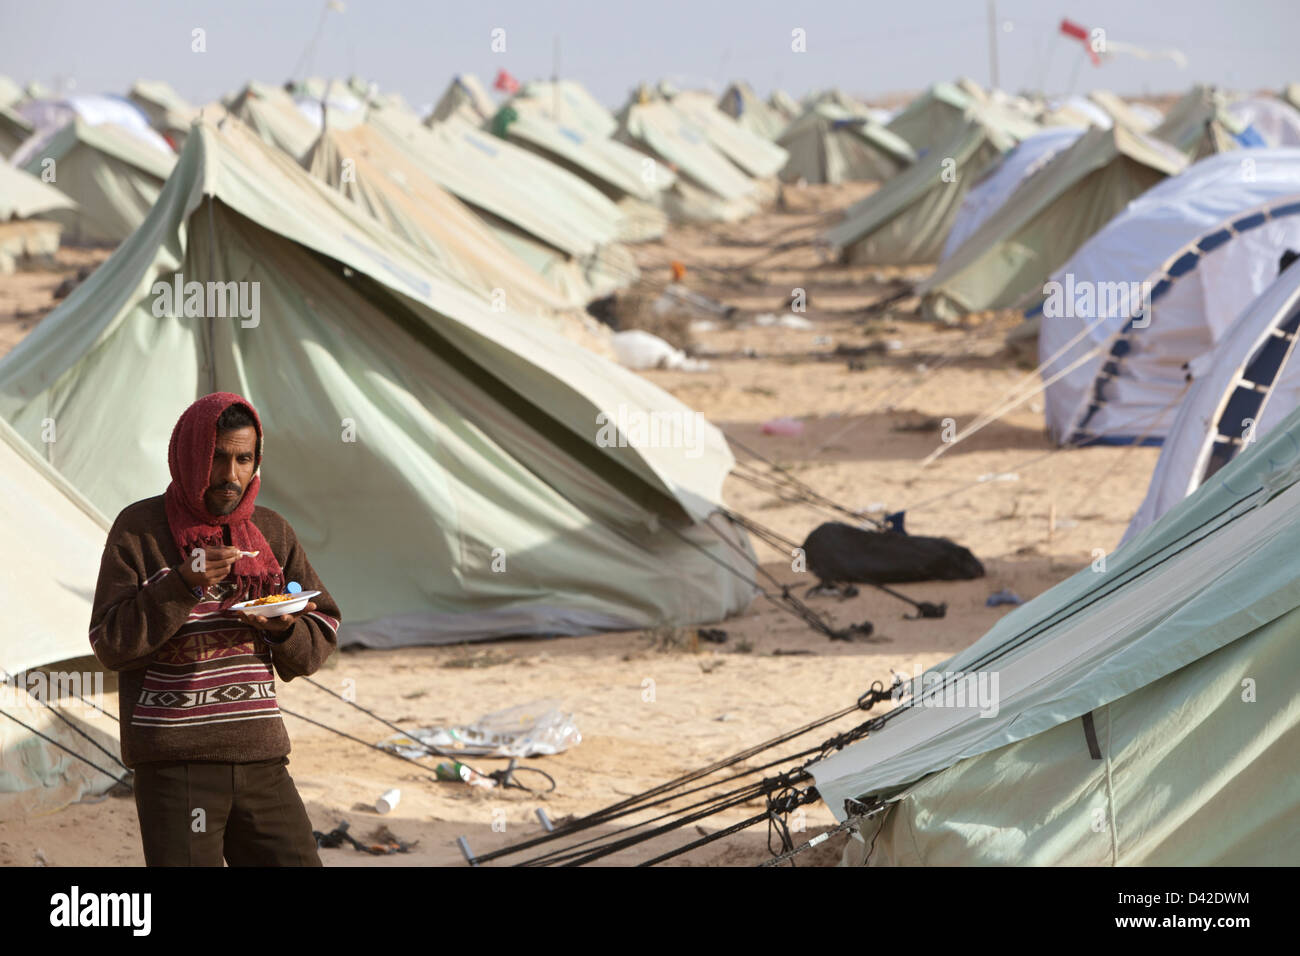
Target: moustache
<point>229,487</point>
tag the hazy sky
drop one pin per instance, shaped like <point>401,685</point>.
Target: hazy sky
<point>867,47</point>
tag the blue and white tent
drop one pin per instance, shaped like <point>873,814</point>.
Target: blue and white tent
<point>1240,390</point>
<point>1158,286</point>
<point>1275,121</point>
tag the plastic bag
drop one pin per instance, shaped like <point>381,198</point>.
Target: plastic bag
<point>540,727</point>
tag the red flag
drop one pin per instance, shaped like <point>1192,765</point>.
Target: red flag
<point>506,83</point>
<point>1072,29</point>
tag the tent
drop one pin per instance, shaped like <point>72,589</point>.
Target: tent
<point>472,474</point>
<point>26,232</point>
<point>10,92</point>
<point>23,196</point>
<point>465,98</point>
<point>1121,112</point>
<point>630,179</point>
<point>709,187</point>
<point>747,108</point>
<point>1140,715</point>
<point>1158,286</point>
<point>1276,121</point>
<point>1200,125</point>
<point>1078,112</point>
<point>46,588</point>
<point>564,228</point>
<point>1240,390</point>
<point>14,130</point>
<point>570,103</point>
<point>756,156</point>
<point>167,110</point>
<point>1012,253</point>
<point>113,177</point>
<point>828,144</point>
<point>1291,93</point>
<point>1001,181</point>
<point>291,125</point>
<point>934,118</point>
<point>907,220</point>
<point>373,172</point>
<point>785,105</point>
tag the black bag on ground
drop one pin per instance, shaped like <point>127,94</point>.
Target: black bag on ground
<point>840,554</point>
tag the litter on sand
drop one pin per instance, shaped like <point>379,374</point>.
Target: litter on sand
<point>528,730</point>
<point>1005,596</point>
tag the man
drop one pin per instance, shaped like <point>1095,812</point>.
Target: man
<point>199,721</point>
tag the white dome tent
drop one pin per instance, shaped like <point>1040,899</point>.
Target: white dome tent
<point>1248,384</point>
<point>1196,249</point>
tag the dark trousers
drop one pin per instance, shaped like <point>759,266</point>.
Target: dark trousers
<point>251,814</point>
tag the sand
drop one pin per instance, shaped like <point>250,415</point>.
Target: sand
<point>864,435</point>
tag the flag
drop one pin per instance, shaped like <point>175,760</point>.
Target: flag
<point>1072,29</point>
<point>506,83</point>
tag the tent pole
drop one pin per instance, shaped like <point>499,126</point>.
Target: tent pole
<point>993,44</point>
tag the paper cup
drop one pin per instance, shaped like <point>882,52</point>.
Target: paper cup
<point>388,801</point>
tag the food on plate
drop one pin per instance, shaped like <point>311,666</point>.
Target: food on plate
<point>271,599</point>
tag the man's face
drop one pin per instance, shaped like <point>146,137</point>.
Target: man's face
<point>233,462</point>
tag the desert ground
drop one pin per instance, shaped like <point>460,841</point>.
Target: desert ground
<point>1031,515</point>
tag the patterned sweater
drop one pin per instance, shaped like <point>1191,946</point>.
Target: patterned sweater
<point>196,682</point>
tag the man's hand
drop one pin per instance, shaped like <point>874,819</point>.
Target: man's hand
<point>211,567</point>
<point>275,625</point>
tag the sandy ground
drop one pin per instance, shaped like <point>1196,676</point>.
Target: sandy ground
<point>865,432</point>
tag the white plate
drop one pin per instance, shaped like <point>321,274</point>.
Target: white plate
<point>280,608</point>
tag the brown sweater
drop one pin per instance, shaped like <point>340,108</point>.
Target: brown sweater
<point>196,682</point>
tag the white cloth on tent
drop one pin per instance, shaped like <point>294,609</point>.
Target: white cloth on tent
<point>996,187</point>
<point>1278,123</point>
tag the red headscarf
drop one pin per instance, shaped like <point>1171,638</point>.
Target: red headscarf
<point>189,457</point>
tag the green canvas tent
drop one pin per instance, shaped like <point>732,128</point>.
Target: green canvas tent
<point>455,473</point>
<point>747,108</point>
<point>23,196</point>
<point>373,172</point>
<point>113,177</point>
<point>167,110</point>
<point>907,220</point>
<point>1119,111</point>
<point>1199,124</point>
<point>933,118</point>
<point>631,180</point>
<point>10,92</point>
<point>14,131</point>
<point>828,144</point>
<point>465,98</point>
<point>1145,713</point>
<point>1013,252</point>
<point>756,156</point>
<point>46,588</point>
<point>565,229</point>
<point>274,116</point>
<point>709,187</point>
<point>26,231</point>
<point>1291,93</point>
<point>784,104</point>
<point>570,103</point>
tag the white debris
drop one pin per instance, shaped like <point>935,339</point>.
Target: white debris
<point>638,349</point>
<point>793,322</point>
